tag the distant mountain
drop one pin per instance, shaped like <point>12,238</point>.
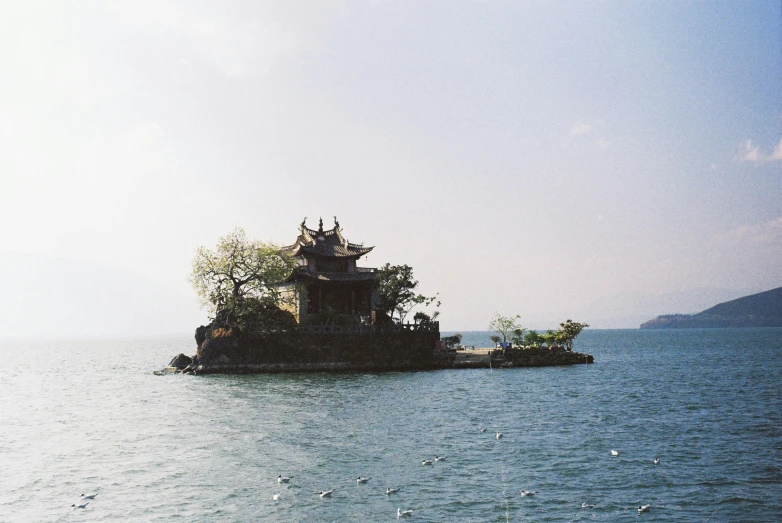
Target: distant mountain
<point>758,310</point>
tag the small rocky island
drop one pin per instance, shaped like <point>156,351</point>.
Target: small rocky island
<point>310,307</point>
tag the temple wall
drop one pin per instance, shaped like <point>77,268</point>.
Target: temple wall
<point>312,350</point>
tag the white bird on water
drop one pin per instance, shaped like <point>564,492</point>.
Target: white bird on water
<point>90,496</point>
<point>656,461</point>
<point>440,458</point>
<point>614,452</point>
<point>325,493</point>
<point>362,480</point>
<point>284,479</point>
<point>482,429</point>
<point>83,505</point>
<point>498,435</point>
<point>276,497</point>
<point>390,490</point>
<point>525,493</point>
<point>643,508</point>
<point>587,505</point>
<point>426,462</point>
<point>403,513</point>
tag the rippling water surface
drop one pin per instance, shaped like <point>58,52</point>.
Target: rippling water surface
<point>81,416</point>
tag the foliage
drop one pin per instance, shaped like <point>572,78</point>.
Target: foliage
<point>568,331</point>
<point>424,318</point>
<point>451,341</point>
<point>239,275</point>
<point>518,337</point>
<point>533,338</point>
<point>396,291</point>
<point>495,339</point>
<point>504,326</point>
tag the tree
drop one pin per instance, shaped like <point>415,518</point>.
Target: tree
<point>239,274</point>
<point>451,341</point>
<point>504,326</point>
<point>495,339</point>
<point>568,332</point>
<point>533,338</point>
<point>518,336</point>
<point>396,291</point>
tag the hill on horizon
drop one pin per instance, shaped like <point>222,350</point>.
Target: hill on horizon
<point>763,309</point>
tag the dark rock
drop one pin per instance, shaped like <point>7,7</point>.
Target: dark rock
<point>180,362</point>
<point>200,335</point>
<point>220,341</point>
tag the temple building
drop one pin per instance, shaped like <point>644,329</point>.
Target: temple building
<point>327,281</point>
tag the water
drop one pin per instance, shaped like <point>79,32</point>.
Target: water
<point>83,416</point>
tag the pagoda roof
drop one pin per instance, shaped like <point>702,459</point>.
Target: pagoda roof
<point>335,276</point>
<point>328,243</point>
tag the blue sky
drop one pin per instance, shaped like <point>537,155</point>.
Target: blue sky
<point>605,161</point>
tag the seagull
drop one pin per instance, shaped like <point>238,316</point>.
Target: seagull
<point>284,479</point>
<point>84,505</point>
<point>403,513</point>
<point>91,496</point>
<point>326,493</point>
<point>527,493</point>
<point>656,461</point>
<point>426,462</point>
<point>482,429</point>
<point>614,452</point>
<point>587,505</point>
<point>643,508</point>
<point>499,435</point>
<point>390,490</point>
<point>362,480</point>
<point>440,458</point>
<point>276,497</point>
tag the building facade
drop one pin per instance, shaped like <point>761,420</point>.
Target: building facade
<point>327,284</point>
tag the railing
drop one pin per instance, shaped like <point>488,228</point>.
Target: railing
<point>366,269</point>
<point>433,326</point>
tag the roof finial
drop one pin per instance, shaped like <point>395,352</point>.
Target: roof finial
<point>320,225</point>
<point>336,223</point>
<point>304,223</point>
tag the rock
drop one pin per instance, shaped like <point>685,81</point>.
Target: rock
<point>200,335</point>
<point>180,362</point>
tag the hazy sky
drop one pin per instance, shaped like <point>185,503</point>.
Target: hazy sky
<point>584,159</point>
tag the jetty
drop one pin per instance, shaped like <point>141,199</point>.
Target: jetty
<point>519,357</point>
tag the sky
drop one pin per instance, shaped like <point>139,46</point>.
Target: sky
<point>605,161</point>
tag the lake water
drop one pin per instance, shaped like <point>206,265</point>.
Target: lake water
<point>90,416</point>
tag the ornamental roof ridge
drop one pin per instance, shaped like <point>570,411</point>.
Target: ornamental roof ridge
<point>325,242</point>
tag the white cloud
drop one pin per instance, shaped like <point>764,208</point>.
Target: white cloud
<point>748,152</point>
<point>777,153</point>
<point>580,128</point>
<point>769,233</point>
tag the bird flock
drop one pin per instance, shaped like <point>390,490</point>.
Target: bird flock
<point>85,499</point>
<point>400,513</point>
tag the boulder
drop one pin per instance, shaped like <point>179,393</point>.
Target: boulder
<point>180,361</point>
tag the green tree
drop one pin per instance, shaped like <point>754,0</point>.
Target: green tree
<point>239,274</point>
<point>495,339</point>
<point>451,341</point>
<point>533,338</point>
<point>518,337</point>
<point>396,291</point>
<point>504,326</point>
<point>568,331</point>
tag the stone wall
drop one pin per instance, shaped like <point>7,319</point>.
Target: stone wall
<point>539,357</point>
<point>227,350</point>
